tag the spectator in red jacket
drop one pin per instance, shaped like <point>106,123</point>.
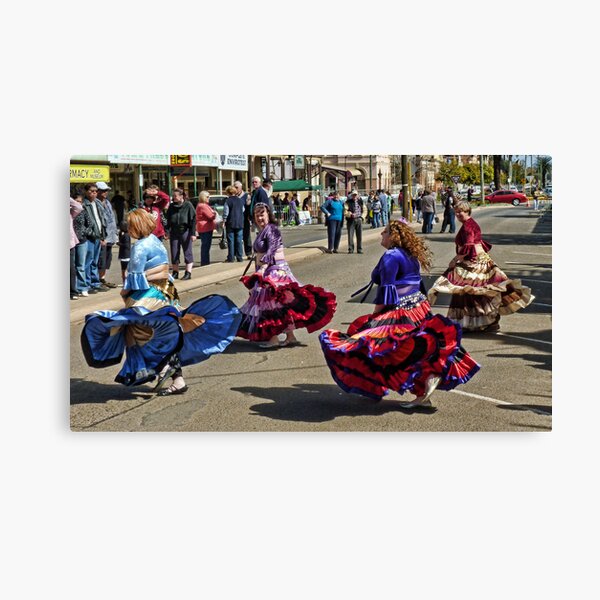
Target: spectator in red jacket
<point>205,225</point>
<point>155,202</point>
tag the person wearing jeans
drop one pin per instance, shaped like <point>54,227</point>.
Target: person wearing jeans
<point>354,212</point>
<point>333,209</point>
<point>205,225</point>
<point>428,210</point>
<point>233,218</point>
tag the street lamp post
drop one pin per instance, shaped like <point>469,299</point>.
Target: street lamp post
<point>482,181</point>
<point>379,176</point>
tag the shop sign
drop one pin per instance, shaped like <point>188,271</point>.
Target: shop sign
<point>181,160</point>
<point>233,162</point>
<point>89,173</point>
<point>299,161</point>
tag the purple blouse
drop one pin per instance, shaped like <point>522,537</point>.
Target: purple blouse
<point>267,242</point>
<point>397,274</point>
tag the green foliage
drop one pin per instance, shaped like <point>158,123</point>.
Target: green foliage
<point>470,174</point>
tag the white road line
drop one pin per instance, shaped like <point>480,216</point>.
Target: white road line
<point>537,253</point>
<point>508,262</point>
<point>529,279</point>
<point>500,402</point>
<point>518,337</point>
<point>541,304</point>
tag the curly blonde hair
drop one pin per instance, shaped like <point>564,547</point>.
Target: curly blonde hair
<point>402,236</point>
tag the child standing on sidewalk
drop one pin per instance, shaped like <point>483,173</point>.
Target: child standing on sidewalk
<point>124,248</point>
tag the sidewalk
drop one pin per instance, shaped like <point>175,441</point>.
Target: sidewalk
<point>209,274</point>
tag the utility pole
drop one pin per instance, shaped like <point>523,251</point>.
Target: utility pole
<point>404,185</point>
<point>482,180</point>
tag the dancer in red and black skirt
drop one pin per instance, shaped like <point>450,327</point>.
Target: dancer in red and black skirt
<point>278,303</point>
<point>481,292</point>
<point>402,346</point>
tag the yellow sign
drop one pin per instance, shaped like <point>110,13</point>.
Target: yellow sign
<point>86,173</point>
<point>181,160</point>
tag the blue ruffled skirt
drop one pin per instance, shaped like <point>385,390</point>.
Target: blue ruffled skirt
<point>149,338</point>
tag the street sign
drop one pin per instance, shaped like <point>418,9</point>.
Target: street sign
<point>455,178</point>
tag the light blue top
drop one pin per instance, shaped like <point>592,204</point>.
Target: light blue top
<point>146,253</point>
<point>333,209</point>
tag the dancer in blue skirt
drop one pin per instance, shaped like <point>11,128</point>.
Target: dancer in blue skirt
<point>156,335</point>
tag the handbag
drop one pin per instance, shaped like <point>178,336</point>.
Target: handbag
<point>223,242</point>
<point>436,219</point>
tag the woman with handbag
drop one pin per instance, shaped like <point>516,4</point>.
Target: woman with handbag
<point>206,223</point>
<point>181,232</point>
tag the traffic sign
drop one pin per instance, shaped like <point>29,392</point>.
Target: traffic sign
<point>455,178</point>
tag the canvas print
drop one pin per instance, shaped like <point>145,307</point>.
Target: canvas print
<point>331,293</point>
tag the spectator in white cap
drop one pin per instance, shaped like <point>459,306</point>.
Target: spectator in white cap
<point>112,235</point>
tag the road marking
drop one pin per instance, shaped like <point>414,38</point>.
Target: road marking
<point>536,280</point>
<point>537,253</point>
<point>508,262</point>
<point>518,337</point>
<point>541,304</point>
<point>501,402</point>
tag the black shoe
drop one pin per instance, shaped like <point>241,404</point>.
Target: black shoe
<point>101,289</point>
<point>175,274</point>
<point>350,251</point>
<point>93,291</point>
<point>360,252</point>
<point>74,297</point>
<point>187,275</point>
<point>328,251</point>
<point>240,259</point>
<point>335,251</point>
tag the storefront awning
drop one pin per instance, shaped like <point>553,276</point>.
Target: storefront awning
<point>339,171</point>
<point>294,185</point>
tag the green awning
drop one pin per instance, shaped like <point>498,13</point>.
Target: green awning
<point>294,185</point>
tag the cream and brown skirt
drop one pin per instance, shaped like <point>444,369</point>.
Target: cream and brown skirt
<point>481,292</point>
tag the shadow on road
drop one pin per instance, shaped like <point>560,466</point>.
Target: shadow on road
<point>315,403</point>
<point>544,361</point>
<point>91,392</point>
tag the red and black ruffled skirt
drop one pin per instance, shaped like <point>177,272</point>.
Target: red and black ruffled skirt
<point>398,349</point>
<point>278,303</point>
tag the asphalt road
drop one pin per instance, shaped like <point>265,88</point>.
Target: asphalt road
<point>291,389</point>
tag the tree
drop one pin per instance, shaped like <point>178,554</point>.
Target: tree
<point>545,163</point>
<point>447,171</point>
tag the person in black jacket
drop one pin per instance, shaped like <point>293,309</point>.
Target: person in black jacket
<point>233,219</point>
<point>181,232</point>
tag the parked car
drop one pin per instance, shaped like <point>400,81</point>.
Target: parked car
<point>507,197</point>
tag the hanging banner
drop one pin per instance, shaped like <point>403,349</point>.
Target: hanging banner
<point>198,160</point>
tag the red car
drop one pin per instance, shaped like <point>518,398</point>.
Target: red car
<point>508,197</point>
